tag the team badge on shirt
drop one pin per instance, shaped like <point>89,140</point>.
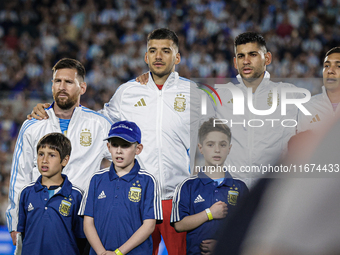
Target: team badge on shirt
<point>180,103</point>
<point>85,137</point>
<point>135,192</point>
<point>270,98</point>
<point>232,196</point>
<point>65,207</point>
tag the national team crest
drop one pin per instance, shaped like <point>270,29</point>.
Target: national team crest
<point>65,207</point>
<point>180,103</point>
<point>85,137</point>
<point>270,98</point>
<point>135,194</point>
<point>232,197</point>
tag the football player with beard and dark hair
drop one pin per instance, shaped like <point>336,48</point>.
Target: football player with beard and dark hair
<point>86,129</point>
<point>68,84</point>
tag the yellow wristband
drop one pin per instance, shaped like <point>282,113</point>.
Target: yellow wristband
<point>210,217</point>
<point>118,252</point>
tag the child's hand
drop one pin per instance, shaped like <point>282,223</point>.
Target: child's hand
<point>14,237</point>
<point>219,210</point>
<point>207,246</point>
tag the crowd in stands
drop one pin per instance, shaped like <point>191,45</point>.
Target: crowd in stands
<point>109,37</point>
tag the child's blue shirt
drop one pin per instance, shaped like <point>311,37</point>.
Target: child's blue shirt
<point>199,192</point>
<point>50,225</point>
<point>119,205</point>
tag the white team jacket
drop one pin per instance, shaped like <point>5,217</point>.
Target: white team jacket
<point>322,113</point>
<point>86,131</point>
<point>164,119</point>
<point>257,140</point>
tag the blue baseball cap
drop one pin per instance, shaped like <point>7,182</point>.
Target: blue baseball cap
<point>129,131</point>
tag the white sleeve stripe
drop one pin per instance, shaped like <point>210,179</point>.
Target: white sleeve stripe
<point>96,113</point>
<point>157,203</point>
<point>26,186</point>
<point>17,153</point>
<point>83,201</point>
<point>14,172</point>
<point>78,189</point>
<point>175,202</point>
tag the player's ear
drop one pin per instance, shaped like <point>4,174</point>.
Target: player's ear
<point>178,58</point>
<point>146,58</point>
<point>83,87</point>
<point>139,148</point>
<point>65,160</point>
<point>268,58</point>
<point>235,64</point>
<point>200,147</point>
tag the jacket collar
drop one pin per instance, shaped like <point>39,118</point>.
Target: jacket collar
<point>264,81</point>
<point>50,112</point>
<point>64,191</point>
<point>129,176</point>
<point>171,81</point>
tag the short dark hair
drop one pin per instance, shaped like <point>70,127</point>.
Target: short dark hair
<point>333,50</point>
<point>71,64</point>
<point>58,142</point>
<point>208,126</point>
<point>250,37</point>
<point>163,33</point>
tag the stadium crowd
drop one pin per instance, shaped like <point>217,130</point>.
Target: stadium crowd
<point>108,37</point>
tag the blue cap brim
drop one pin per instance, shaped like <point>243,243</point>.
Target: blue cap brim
<point>122,136</point>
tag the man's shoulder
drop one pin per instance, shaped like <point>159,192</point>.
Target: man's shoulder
<point>187,83</point>
<point>317,101</point>
<point>93,115</point>
<point>128,85</point>
<point>285,87</point>
<point>225,88</point>
<point>33,123</point>
<point>317,98</point>
<point>186,80</point>
<point>280,84</point>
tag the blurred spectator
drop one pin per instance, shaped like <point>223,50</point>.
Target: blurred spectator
<point>312,44</point>
<point>97,31</point>
<point>12,39</point>
<point>285,28</point>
